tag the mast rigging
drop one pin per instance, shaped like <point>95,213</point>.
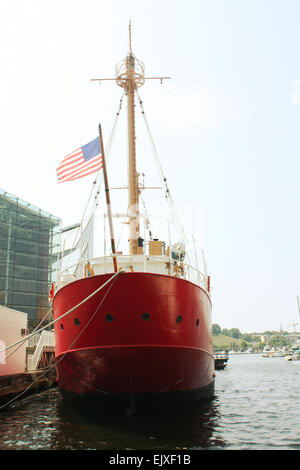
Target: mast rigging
<point>130,76</point>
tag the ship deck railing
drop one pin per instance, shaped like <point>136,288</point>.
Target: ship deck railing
<point>218,354</point>
<point>45,341</point>
<point>158,264</point>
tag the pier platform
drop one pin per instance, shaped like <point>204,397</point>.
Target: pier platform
<point>221,359</point>
<point>13,385</point>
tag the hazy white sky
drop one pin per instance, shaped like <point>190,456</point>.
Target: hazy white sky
<point>226,126</point>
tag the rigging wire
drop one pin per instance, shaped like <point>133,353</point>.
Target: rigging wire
<point>33,331</point>
<point>172,208</point>
<point>109,144</point>
<point>112,279</point>
<point>63,315</point>
<point>147,218</point>
<point>98,181</point>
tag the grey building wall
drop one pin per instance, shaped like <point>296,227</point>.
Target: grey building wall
<point>28,248</point>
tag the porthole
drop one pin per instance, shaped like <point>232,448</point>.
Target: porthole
<point>61,326</point>
<point>146,316</point>
<point>109,317</point>
<point>179,319</point>
<point>197,322</point>
<point>77,321</point>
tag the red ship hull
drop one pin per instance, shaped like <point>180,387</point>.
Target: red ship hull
<point>141,334</point>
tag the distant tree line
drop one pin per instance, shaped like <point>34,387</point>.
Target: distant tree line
<point>275,338</point>
<point>233,332</point>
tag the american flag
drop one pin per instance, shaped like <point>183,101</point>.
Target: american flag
<point>82,162</point>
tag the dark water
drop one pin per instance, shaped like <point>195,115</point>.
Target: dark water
<point>256,407</point>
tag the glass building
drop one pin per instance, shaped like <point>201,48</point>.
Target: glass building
<point>29,243</point>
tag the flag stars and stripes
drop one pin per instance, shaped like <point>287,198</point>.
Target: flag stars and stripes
<point>82,162</point>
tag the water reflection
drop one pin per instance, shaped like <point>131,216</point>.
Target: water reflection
<point>83,428</point>
<point>45,421</point>
<point>257,406</point>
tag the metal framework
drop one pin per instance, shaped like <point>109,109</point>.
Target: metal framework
<point>130,75</point>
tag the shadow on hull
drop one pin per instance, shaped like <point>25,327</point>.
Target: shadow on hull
<point>131,404</point>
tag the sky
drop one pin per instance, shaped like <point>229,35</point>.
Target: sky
<point>226,127</point>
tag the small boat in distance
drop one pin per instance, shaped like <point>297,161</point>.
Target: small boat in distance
<point>267,351</point>
<point>134,325</point>
<point>272,352</point>
<point>294,353</point>
<point>221,359</point>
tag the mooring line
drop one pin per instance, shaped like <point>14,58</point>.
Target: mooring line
<point>63,315</point>
<point>113,278</point>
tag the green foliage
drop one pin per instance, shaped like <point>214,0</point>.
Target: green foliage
<point>278,341</point>
<point>244,345</point>
<point>233,333</point>
<point>247,337</point>
<point>233,339</point>
<point>216,329</point>
<point>225,342</point>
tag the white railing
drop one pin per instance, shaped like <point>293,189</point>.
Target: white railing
<point>46,340</point>
<point>138,263</point>
<point>33,341</point>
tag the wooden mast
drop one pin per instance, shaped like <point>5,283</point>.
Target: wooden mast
<point>130,75</point>
<point>133,191</point>
<point>109,214</point>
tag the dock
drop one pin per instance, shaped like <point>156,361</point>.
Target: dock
<point>221,359</point>
<point>21,385</point>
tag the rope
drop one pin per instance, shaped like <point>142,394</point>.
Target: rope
<point>63,315</point>
<point>113,279</point>
<point>150,231</point>
<point>107,151</point>
<point>172,208</point>
<point>95,204</point>
<point>34,331</point>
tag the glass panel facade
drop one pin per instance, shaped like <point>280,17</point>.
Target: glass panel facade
<point>29,244</point>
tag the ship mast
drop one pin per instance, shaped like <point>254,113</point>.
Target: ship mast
<point>133,190</point>
<point>130,76</point>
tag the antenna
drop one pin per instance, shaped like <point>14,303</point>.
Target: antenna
<point>130,36</point>
<point>293,325</point>
<point>130,76</point>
